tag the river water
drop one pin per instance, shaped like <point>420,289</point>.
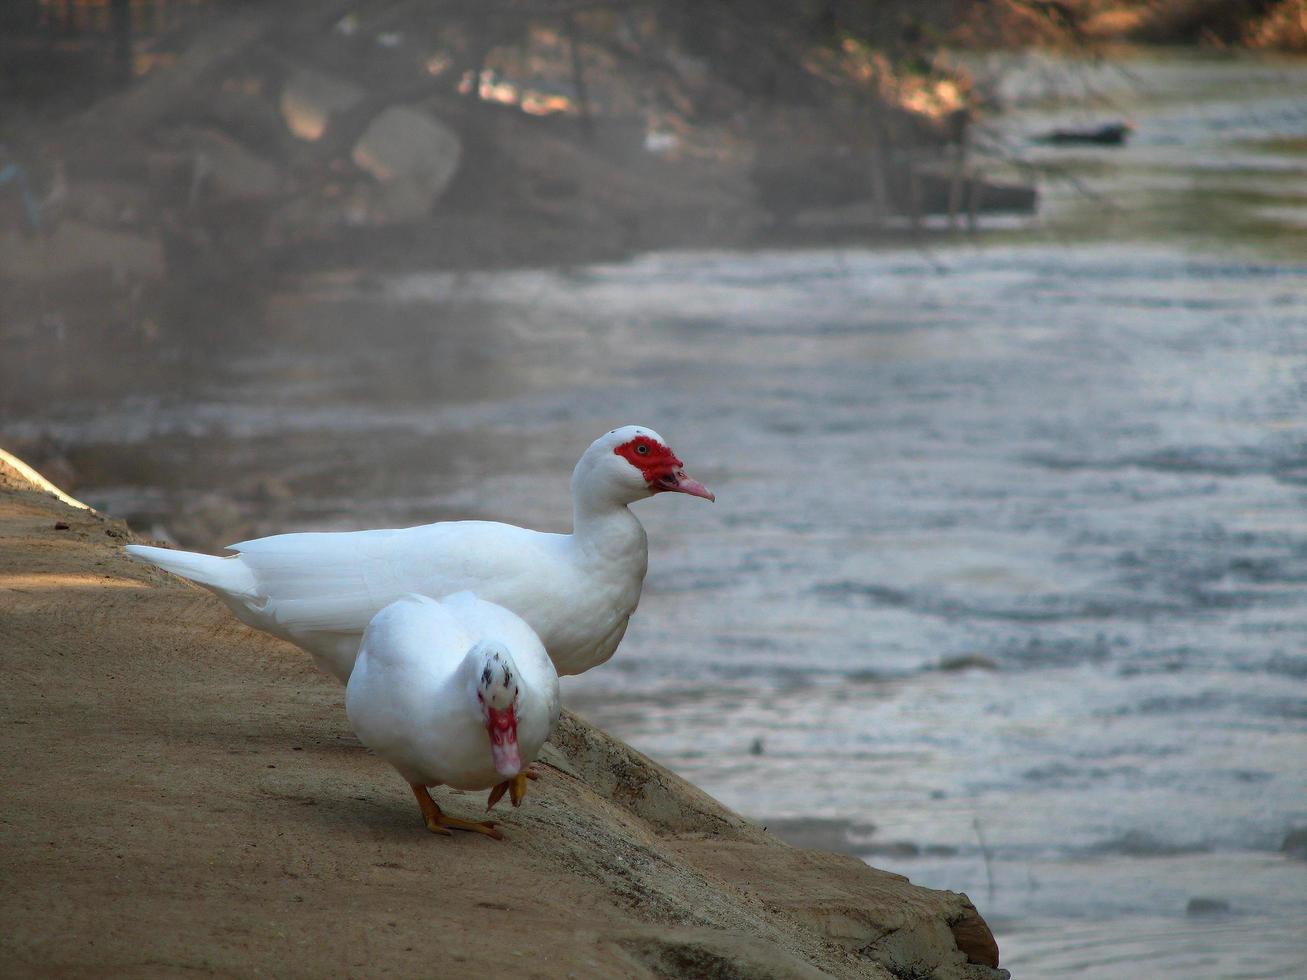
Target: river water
<point>1005,585</point>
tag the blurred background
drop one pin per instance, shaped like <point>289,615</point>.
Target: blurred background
<point>986,321</point>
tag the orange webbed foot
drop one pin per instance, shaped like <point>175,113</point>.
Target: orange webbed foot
<point>440,823</point>
<point>515,788</point>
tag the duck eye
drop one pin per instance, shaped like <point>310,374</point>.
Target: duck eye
<point>642,449</point>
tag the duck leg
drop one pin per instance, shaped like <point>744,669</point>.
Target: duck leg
<point>438,823</point>
<point>515,787</point>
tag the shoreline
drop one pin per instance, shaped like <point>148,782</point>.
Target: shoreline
<point>195,786</point>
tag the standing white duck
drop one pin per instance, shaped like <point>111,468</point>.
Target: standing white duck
<point>577,591</point>
<point>457,692</point>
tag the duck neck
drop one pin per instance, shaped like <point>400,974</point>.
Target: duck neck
<point>603,525</point>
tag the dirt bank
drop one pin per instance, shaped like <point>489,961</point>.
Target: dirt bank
<point>184,794</point>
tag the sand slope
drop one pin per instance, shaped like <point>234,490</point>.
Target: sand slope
<point>182,794</point>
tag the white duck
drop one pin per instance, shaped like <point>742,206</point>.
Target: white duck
<point>577,591</point>
<point>457,692</point>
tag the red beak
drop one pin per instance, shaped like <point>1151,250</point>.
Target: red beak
<point>677,482</point>
<point>502,728</point>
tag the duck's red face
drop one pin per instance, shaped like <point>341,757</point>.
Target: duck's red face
<point>497,693</point>
<point>661,470</point>
<point>502,728</point>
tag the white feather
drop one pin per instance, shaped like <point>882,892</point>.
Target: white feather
<point>576,591</point>
<point>411,698</point>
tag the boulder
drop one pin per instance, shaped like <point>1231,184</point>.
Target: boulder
<point>311,98</point>
<point>231,171</point>
<point>413,155</point>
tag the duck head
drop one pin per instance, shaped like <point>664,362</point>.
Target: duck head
<point>632,463</point>
<point>496,688</point>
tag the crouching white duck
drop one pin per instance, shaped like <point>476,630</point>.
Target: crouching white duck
<point>577,591</point>
<point>456,692</point>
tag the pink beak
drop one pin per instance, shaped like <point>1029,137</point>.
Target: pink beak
<point>677,482</point>
<point>502,728</point>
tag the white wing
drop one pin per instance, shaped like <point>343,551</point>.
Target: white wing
<point>336,582</point>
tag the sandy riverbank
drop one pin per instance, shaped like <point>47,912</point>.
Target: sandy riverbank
<point>184,794</point>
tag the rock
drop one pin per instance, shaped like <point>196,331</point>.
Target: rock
<point>1108,134</point>
<point>311,98</point>
<point>1207,906</point>
<point>1295,842</point>
<point>971,661</point>
<point>228,171</point>
<point>413,156</point>
<point>612,867</point>
<point>975,939</point>
<point>244,113</point>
